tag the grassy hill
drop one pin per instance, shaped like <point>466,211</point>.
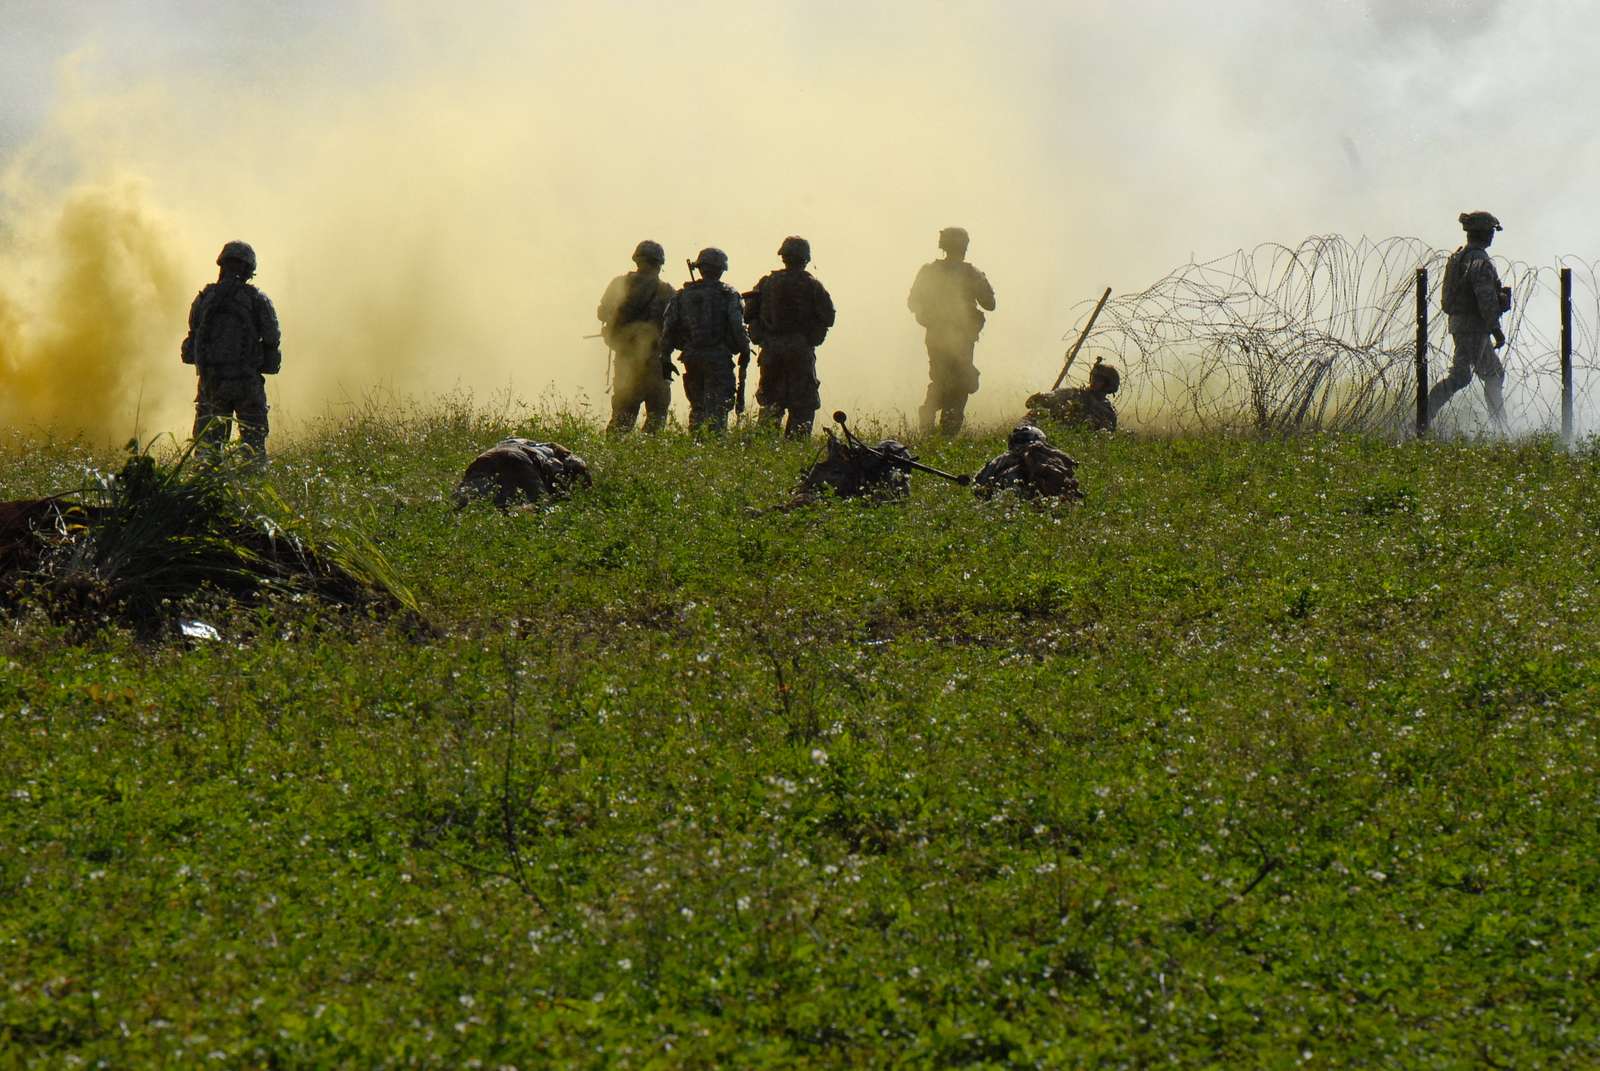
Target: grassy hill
<point>1271,752</point>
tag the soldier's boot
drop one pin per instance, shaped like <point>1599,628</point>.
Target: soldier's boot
<point>211,430</point>
<point>799,425</point>
<point>952,417</point>
<point>705,420</point>
<point>655,416</point>
<point>623,416</point>
<point>253,445</point>
<point>771,418</point>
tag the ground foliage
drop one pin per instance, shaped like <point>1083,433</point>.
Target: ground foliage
<point>1271,752</point>
<point>141,543</point>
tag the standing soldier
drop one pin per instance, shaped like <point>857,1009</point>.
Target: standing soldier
<point>630,315</point>
<point>789,313</point>
<point>706,322</point>
<point>233,342</point>
<point>948,299</point>
<point>1474,300</point>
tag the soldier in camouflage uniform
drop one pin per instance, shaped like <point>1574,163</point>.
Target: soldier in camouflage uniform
<point>789,313</point>
<point>948,299</point>
<point>233,341</point>
<point>1031,467</point>
<point>706,321</point>
<point>1081,407</point>
<point>522,469</point>
<point>630,315</point>
<point>1474,300</point>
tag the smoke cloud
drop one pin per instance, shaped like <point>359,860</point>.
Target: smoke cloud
<point>438,197</point>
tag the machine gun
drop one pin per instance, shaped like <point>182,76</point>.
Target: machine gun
<point>890,459</point>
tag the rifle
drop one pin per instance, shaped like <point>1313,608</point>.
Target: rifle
<point>1072,354</point>
<point>610,354</point>
<point>738,397</point>
<point>850,437</point>
<point>692,267</point>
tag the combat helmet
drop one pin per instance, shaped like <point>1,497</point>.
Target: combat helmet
<point>954,239</point>
<point>711,259</point>
<point>1479,221</point>
<point>650,252</point>
<point>795,248</point>
<point>1106,375</point>
<point>1023,436</point>
<point>239,252</point>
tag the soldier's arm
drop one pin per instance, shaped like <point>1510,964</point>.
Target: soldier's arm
<point>824,306</point>
<point>752,301</point>
<point>271,335</point>
<point>186,350</point>
<point>982,291</point>
<point>611,300</point>
<point>916,300</point>
<point>1486,289</point>
<point>736,331</point>
<point>670,320</point>
<point>658,307</point>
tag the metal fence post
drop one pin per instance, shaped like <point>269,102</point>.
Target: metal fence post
<point>1422,352</point>
<point>1566,355</point>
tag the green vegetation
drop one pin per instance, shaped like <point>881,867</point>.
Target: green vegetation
<point>1272,752</point>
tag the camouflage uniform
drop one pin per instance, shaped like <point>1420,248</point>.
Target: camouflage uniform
<point>523,469</point>
<point>233,342</point>
<point>705,320</point>
<point>947,299</point>
<point>1074,407</point>
<point>1032,468</point>
<point>789,313</point>
<point>1474,301</point>
<point>631,311</point>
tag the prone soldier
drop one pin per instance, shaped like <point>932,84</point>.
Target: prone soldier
<point>514,470</point>
<point>1083,407</point>
<point>1031,467</point>
<point>1474,300</point>
<point>789,313</point>
<point>233,342</point>
<point>948,299</point>
<point>705,320</point>
<point>630,313</point>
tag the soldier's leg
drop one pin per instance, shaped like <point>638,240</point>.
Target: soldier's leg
<point>770,394</point>
<point>953,413</point>
<point>212,423</point>
<point>624,410</point>
<point>1493,373</point>
<point>799,425</point>
<point>251,405</point>
<point>656,405</point>
<point>1460,374</point>
<point>1494,396</point>
<point>804,399</point>
<point>721,385</point>
<point>694,389</point>
<point>928,412</point>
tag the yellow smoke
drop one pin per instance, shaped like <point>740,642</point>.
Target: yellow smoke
<point>84,307</point>
<point>448,218</point>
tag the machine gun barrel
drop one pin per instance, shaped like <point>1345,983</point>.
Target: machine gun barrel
<point>850,437</point>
